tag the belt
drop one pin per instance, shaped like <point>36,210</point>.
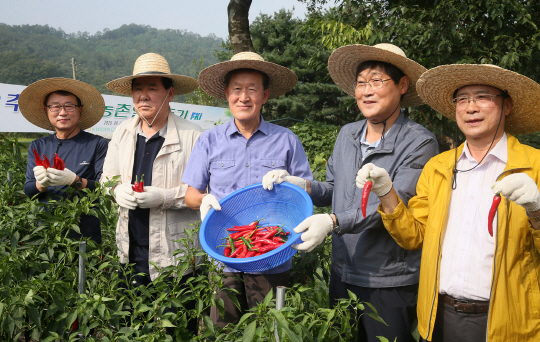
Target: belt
<point>467,306</point>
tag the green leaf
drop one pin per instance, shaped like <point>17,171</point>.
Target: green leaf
<point>9,325</point>
<point>34,315</point>
<point>208,323</point>
<point>249,332</point>
<point>72,316</point>
<point>101,310</point>
<point>167,324</point>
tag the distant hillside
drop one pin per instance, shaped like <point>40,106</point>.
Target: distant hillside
<point>29,53</point>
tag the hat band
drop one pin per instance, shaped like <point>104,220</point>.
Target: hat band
<point>151,73</point>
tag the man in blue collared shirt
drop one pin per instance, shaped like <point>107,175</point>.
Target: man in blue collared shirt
<point>240,153</point>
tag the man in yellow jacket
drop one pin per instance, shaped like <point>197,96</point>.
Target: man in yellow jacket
<point>479,281</point>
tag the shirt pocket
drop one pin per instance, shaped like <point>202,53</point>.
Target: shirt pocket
<point>272,164</point>
<point>222,171</point>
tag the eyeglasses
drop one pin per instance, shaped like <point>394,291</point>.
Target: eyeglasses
<point>481,100</point>
<point>57,108</point>
<point>375,83</point>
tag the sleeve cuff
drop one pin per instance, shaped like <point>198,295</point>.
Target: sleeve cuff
<point>397,211</point>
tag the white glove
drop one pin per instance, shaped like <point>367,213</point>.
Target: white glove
<point>280,176</point>
<point>61,177</point>
<point>152,197</point>
<point>318,226</point>
<point>41,176</point>
<point>123,193</point>
<point>382,184</point>
<point>520,188</point>
<point>209,202</point>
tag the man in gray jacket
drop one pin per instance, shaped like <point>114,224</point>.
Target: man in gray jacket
<point>365,258</point>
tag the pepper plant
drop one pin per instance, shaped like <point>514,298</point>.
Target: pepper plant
<point>39,299</point>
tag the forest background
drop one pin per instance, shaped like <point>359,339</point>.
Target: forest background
<point>501,32</point>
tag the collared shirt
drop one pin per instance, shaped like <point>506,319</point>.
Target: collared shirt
<point>365,146</point>
<point>146,151</point>
<point>467,249</point>
<point>224,160</point>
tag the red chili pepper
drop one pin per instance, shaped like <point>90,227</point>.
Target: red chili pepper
<point>46,162</point>
<point>39,162</point>
<point>136,185</point>
<point>243,253</point>
<point>365,195</point>
<point>58,163</point>
<point>250,254</point>
<point>269,242</point>
<point>492,211</point>
<point>227,251</point>
<point>270,234</point>
<point>238,251</point>
<point>141,184</point>
<point>266,248</point>
<point>278,239</point>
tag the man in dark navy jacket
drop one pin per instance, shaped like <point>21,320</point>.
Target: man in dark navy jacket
<point>68,107</point>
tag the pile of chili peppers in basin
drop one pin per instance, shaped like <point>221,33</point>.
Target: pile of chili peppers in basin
<point>253,240</point>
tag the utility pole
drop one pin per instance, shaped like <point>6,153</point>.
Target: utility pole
<point>73,67</point>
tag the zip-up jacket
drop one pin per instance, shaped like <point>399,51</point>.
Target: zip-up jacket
<point>168,222</point>
<point>364,254</point>
<point>514,312</point>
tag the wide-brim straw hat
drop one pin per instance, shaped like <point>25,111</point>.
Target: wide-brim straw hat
<point>344,61</point>
<point>32,106</point>
<point>438,85</point>
<point>152,64</point>
<point>212,79</point>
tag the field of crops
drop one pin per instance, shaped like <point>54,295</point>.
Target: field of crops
<point>39,297</point>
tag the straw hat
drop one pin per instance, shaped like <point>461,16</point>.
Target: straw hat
<point>31,101</point>
<point>437,86</point>
<point>212,79</point>
<point>344,61</point>
<point>152,64</point>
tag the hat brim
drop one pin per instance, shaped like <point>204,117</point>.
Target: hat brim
<point>344,61</point>
<point>212,79</point>
<point>181,84</point>
<point>438,85</point>
<point>31,101</point>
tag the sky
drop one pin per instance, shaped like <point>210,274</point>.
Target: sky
<point>204,17</point>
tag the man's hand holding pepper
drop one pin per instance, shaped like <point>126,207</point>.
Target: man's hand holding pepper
<point>123,194</point>
<point>519,188</point>
<point>152,197</point>
<point>41,176</point>
<point>280,176</point>
<point>61,177</point>
<point>382,184</point>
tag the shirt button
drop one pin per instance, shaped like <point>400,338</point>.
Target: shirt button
<point>221,164</point>
<point>247,145</point>
<point>245,185</point>
<point>247,165</point>
<point>272,164</point>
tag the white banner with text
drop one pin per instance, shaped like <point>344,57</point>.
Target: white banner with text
<point>117,109</point>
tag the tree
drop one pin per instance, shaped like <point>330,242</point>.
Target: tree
<point>501,32</point>
<point>238,11</point>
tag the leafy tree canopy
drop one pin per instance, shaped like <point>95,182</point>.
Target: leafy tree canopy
<point>433,33</point>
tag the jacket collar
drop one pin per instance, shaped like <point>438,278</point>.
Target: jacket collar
<point>517,157</point>
<point>386,145</point>
<point>172,141</point>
